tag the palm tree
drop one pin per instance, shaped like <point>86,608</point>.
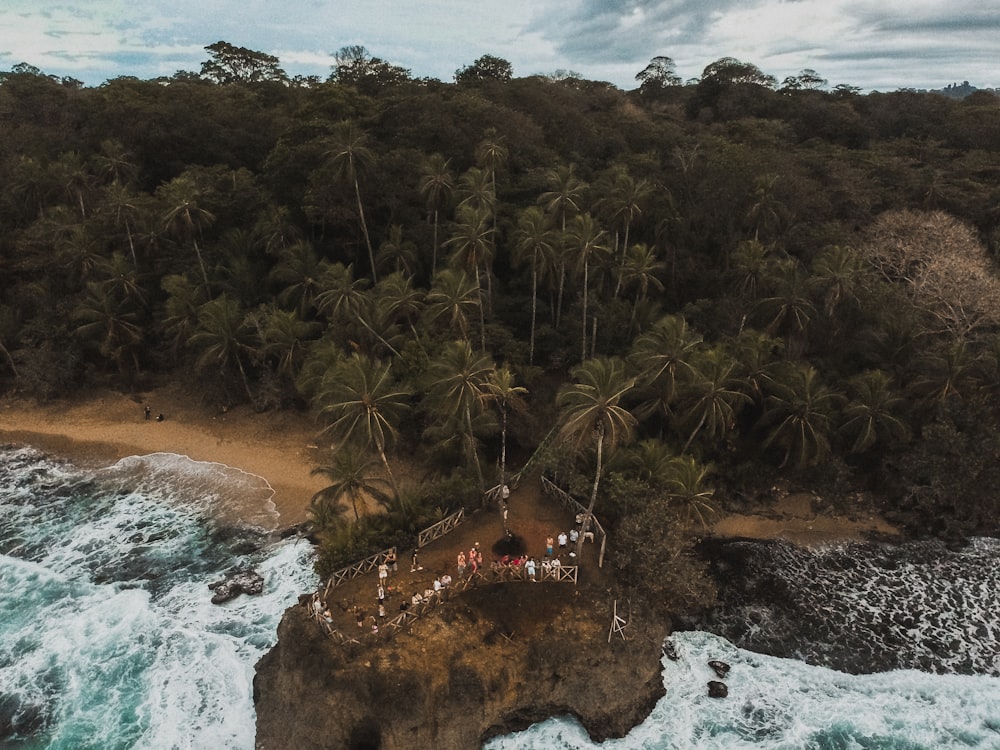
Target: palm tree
<point>350,476</point>
<point>946,375</point>
<point>641,271</point>
<point>685,484</point>
<point>185,217</point>
<point>396,253</point>
<point>453,296</point>
<point>756,353</point>
<point>800,413</point>
<point>110,323</point>
<point>284,336</point>
<point>343,296</point>
<point>458,381</point>
<point>298,275</point>
<point>789,311</point>
<point>473,246</point>
<point>350,157</point>
<point>587,239</point>
<point>662,357</point>
<point>491,154</point>
<point>9,327</point>
<point>401,302</point>
<point>713,398</point>
<point>365,407</point>
<point>872,414</point>
<point>562,201</point>
<point>222,336</point>
<point>591,410</point>
<point>623,206</point>
<point>838,276</point>
<point>436,186</point>
<point>500,389</point>
<point>535,242</point>
<point>125,208</point>
<point>650,460</point>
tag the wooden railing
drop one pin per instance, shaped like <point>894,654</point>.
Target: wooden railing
<point>569,502</point>
<point>357,569</point>
<point>413,612</point>
<point>442,527</point>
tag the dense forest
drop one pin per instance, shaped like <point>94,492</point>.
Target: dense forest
<point>671,298</point>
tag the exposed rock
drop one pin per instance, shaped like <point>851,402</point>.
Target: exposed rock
<point>717,689</point>
<point>669,650</point>
<point>487,663</point>
<point>241,581</point>
<point>720,668</point>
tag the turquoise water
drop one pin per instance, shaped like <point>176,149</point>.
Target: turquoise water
<point>785,704</point>
<point>108,639</point>
<point>107,635</point>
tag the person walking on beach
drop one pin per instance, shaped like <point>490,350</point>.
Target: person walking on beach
<point>148,412</point>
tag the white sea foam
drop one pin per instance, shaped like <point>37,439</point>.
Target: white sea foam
<point>231,495</point>
<point>108,638</point>
<point>784,704</point>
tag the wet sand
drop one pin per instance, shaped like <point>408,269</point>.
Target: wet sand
<point>98,428</point>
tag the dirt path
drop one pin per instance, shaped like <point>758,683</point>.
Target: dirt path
<point>531,517</point>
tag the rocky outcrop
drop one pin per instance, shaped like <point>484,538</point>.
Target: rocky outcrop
<point>237,581</point>
<point>492,661</point>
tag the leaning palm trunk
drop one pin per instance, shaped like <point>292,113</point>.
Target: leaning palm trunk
<point>473,452</point>
<point>593,495</point>
<point>392,479</point>
<point>364,229</point>
<point>534,306</point>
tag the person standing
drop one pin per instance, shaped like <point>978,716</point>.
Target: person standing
<point>548,546</point>
<point>390,560</point>
<point>148,412</point>
<point>530,567</point>
<point>383,574</point>
<point>562,541</point>
<point>461,564</point>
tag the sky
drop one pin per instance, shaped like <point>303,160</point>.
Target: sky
<point>879,45</point>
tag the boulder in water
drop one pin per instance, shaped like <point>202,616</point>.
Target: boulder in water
<point>669,650</point>
<point>717,689</point>
<point>720,668</point>
<point>246,581</point>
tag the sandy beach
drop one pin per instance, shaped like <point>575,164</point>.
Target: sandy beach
<point>98,428</point>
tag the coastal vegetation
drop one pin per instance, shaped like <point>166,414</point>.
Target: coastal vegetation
<point>669,298</point>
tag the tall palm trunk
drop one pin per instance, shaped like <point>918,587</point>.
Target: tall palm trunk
<point>534,306</point>
<point>593,495</point>
<point>434,251</point>
<point>473,451</point>
<point>364,228</point>
<point>482,319</point>
<point>586,284</point>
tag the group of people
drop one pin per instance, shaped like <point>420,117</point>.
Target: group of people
<point>471,562</point>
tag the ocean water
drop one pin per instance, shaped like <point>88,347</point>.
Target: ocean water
<point>108,638</point>
<point>851,647</point>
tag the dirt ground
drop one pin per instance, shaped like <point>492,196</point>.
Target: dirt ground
<point>532,516</point>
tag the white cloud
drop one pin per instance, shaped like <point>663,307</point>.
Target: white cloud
<point>869,43</point>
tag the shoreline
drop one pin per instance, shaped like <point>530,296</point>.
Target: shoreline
<point>100,428</point>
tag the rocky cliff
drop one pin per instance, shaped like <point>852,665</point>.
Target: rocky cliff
<point>490,661</point>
